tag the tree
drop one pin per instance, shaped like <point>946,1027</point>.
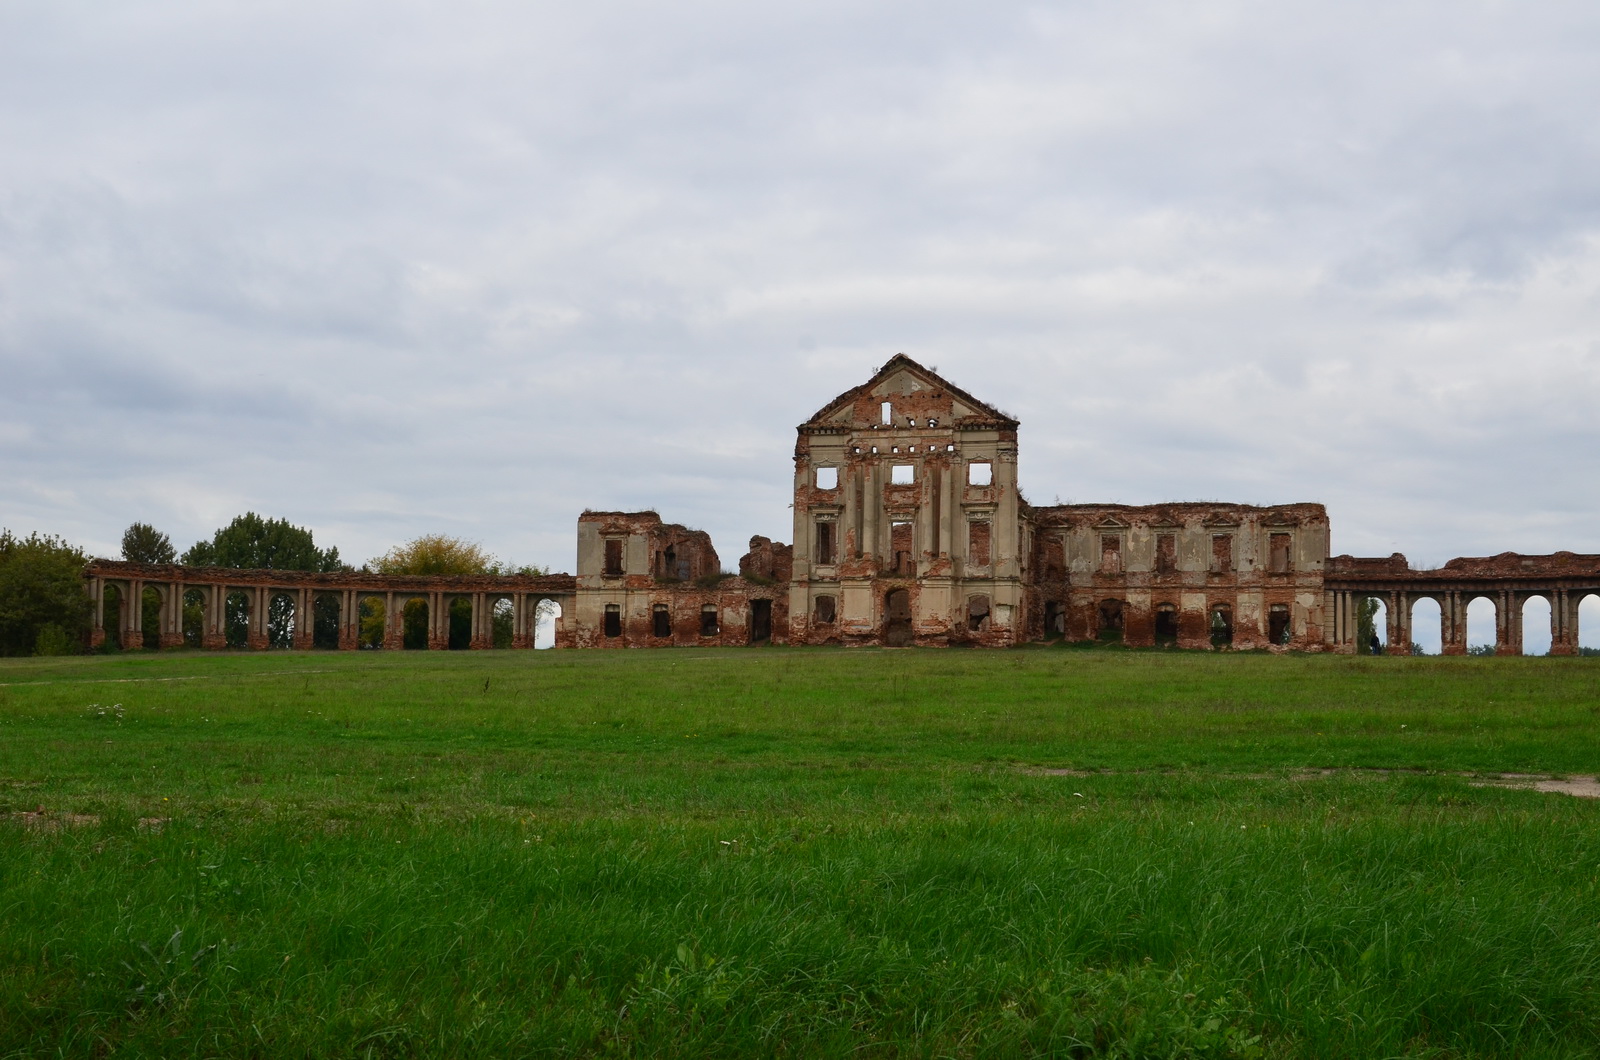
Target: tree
<point>253,543</point>
<point>1366,629</point>
<point>437,554</point>
<point>43,608</point>
<point>143,543</point>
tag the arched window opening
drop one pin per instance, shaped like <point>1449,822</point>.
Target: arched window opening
<point>1589,625</point>
<point>1372,626</point>
<point>978,614</point>
<point>150,618</point>
<point>502,621</point>
<point>1109,615</point>
<point>1166,624</point>
<point>194,618</point>
<point>325,609</point>
<point>1221,626</point>
<point>374,619</point>
<point>459,611</point>
<point>280,621</point>
<point>1482,626</point>
<point>1280,626</point>
<point>613,620</point>
<point>236,620</point>
<point>414,625</point>
<point>545,615</point>
<point>1536,626</point>
<point>1427,637</point>
<point>709,626</point>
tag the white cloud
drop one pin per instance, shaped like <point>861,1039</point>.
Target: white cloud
<point>387,269</point>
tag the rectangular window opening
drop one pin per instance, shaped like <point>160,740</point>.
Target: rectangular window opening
<point>825,544</point>
<point>1110,554</point>
<point>887,411</point>
<point>824,612</point>
<point>708,620</point>
<point>1221,553</point>
<point>900,548</point>
<point>661,621</point>
<point>1166,553</point>
<point>980,473</point>
<point>613,620</point>
<point>827,478</point>
<point>902,474</point>
<point>1281,556</point>
<point>979,542</point>
<point>613,556</point>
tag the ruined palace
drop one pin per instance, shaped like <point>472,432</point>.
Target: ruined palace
<point>909,529</point>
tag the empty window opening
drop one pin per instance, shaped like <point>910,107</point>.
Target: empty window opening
<point>887,411</point>
<point>1055,557</point>
<point>894,449</point>
<point>950,448</point>
<point>903,474</point>
<point>1166,625</point>
<point>911,449</point>
<point>374,621</point>
<point>613,556</point>
<point>979,538</point>
<point>502,621</point>
<point>325,613</point>
<point>1483,627</point>
<point>760,621</point>
<point>827,478</point>
<point>613,620</point>
<point>1221,553</point>
<point>980,473</point>
<point>415,622</point>
<point>897,631</point>
<point>1111,554</point>
<point>1221,626</point>
<point>708,620</point>
<point>459,614</point>
<point>823,612</point>
<point>978,614</point>
<point>660,621</point>
<point>1109,614</point>
<point>874,450</point>
<point>1055,619</point>
<point>911,421</point>
<point>933,421</point>
<point>194,620</point>
<point>667,562</point>
<point>150,608</point>
<point>825,556</point>
<point>1278,624</point>
<point>1166,553</point>
<point>1588,615</point>
<point>546,614</point>
<point>900,549</point>
<point>1536,637</point>
<point>1427,627</point>
<point>1279,555</point>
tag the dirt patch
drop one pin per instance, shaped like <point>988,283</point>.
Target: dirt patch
<point>1584,787</point>
<point>42,820</point>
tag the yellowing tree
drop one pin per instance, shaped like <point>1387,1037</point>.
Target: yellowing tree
<point>437,554</point>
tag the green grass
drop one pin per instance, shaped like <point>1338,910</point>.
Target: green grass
<point>796,852</point>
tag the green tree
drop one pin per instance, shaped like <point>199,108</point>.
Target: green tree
<point>437,554</point>
<point>143,543</point>
<point>1365,628</point>
<point>253,543</point>
<point>43,607</point>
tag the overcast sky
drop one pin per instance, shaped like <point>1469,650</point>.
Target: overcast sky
<point>393,268</point>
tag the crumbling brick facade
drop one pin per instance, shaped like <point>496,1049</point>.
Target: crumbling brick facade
<point>909,529</point>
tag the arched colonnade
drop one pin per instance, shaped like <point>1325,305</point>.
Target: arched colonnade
<point>1453,603</point>
<point>215,608</point>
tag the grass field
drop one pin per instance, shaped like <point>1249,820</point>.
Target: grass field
<point>796,852</point>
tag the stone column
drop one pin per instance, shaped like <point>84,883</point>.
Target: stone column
<point>1398,606</point>
<point>481,636</point>
<point>1507,631</point>
<point>393,630</point>
<point>519,621</point>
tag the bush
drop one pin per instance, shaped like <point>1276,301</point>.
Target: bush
<point>41,586</point>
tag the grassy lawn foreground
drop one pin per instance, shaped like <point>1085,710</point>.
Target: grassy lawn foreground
<point>796,852</point>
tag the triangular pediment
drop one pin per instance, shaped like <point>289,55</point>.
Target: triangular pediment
<point>904,378</point>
